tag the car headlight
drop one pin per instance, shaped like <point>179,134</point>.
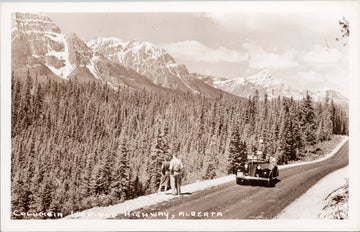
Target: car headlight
<point>258,167</point>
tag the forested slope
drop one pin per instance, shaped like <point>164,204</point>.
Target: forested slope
<point>79,145</point>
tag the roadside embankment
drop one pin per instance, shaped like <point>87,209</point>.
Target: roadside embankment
<point>310,204</point>
<point>336,204</point>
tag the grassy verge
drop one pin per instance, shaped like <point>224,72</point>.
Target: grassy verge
<point>321,149</point>
<point>336,204</point>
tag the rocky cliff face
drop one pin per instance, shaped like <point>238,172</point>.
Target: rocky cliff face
<point>39,46</point>
<point>148,60</point>
<point>35,42</point>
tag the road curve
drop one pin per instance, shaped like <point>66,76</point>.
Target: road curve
<point>231,201</point>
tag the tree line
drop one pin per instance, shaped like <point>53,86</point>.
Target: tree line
<point>80,145</point>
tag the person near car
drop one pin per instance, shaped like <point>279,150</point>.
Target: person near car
<point>176,168</point>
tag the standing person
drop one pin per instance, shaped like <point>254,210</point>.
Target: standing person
<point>176,167</point>
<point>165,175</point>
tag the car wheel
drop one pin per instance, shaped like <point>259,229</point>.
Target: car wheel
<point>239,181</point>
<point>276,173</point>
<point>270,181</point>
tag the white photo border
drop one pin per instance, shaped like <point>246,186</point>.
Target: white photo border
<point>351,8</point>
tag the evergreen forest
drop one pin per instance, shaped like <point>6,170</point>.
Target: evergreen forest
<point>79,145</point>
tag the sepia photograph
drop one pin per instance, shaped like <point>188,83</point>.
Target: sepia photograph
<point>234,113</point>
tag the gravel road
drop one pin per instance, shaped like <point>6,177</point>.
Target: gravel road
<point>231,201</point>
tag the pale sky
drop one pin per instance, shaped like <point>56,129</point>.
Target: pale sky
<point>298,48</point>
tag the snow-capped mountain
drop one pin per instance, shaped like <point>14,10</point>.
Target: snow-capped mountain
<point>265,83</point>
<point>246,86</point>
<point>37,40</point>
<point>153,62</point>
<point>39,46</point>
<point>321,95</point>
<point>36,43</point>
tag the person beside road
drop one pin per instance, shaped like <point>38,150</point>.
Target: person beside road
<point>176,168</point>
<point>165,175</point>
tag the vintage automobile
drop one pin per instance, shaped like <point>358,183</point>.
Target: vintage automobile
<point>258,170</point>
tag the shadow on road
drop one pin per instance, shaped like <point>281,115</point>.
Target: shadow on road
<point>261,183</point>
<point>186,193</point>
<point>182,194</point>
<point>276,181</point>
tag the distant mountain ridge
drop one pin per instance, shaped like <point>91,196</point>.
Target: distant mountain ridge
<point>39,45</point>
<point>265,83</point>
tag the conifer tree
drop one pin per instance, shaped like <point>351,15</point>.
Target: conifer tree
<point>97,180</point>
<point>46,192</point>
<point>20,200</point>
<point>210,169</point>
<point>57,201</point>
<point>124,169</point>
<point>159,150</point>
<point>136,188</point>
<point>87,175</point>
<point>308,120</point>
<point>286,144</point>
<point>237,149</point>
<point>15,105</point>
<point>210,160</point>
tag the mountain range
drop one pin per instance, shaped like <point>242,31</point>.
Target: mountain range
<point>38,45</point>
<point>263,82</point>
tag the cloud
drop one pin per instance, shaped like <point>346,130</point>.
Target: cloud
<point>310,22</point>
<point>331,63</point>
<point>324,57</point>
<point>195,51</point>
<point>261,59</point>
<point>316,80</point>
<point>310,77</point>
<point>318,67</point>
